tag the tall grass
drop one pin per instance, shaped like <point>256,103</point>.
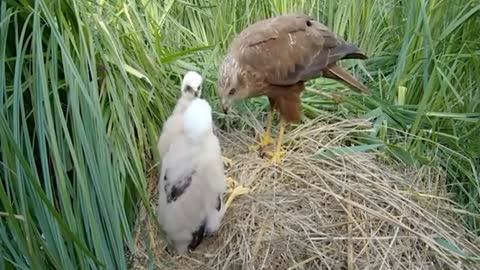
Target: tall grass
<point>83,91</point>
<point>85,86</point>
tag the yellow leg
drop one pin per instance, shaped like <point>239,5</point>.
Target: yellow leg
<point>267,139</point>
<point>235,189</point>
<point>278,154</point>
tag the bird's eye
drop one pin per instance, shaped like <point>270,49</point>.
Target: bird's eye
<point>232,92</point>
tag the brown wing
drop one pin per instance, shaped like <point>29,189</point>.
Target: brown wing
<point>291,48</point>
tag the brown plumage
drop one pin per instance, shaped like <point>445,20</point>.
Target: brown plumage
<point>274,57</point>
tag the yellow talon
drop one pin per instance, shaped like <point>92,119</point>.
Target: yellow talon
<point>231,184</point>
<point>275,157</point>
<point>278,153</point>
<point>235,189</point>
<point>227,162</point>
<point>266,139</point>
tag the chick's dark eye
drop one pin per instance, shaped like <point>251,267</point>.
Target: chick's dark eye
<point>232,91</point>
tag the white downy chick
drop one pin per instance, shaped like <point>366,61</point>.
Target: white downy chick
<point>191,89</point>
<point>192,181</point>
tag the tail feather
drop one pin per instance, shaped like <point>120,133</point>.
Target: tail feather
<point>337,73</point>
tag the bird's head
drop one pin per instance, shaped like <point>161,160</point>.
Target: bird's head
<point>192,85</point>
<point>230,85</point>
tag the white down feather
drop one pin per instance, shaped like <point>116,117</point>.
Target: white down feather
<point>195,149</point>
<point>174,123</point>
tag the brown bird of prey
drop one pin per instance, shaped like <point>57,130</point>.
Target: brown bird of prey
<point>274,58</point>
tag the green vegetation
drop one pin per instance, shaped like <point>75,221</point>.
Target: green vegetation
<point>85,86</point>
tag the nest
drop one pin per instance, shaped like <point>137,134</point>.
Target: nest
<point>346,212</point>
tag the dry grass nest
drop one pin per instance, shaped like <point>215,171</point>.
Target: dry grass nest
<point>348,212</point>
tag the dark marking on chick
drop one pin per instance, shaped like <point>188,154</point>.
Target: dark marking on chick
<point>175,191</point>
<point>197,236</point>
<point>219,203</point>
